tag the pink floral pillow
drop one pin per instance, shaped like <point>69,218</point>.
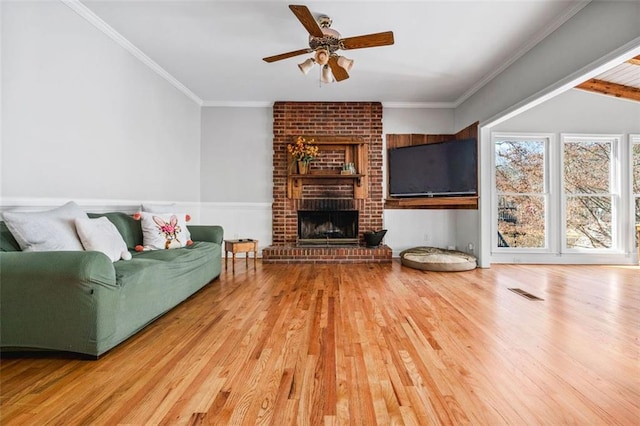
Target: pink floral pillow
<point>162,231</point>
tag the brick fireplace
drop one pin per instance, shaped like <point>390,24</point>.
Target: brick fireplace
<point>345,132</point>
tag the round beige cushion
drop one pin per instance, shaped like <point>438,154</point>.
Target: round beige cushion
<point>435,259</point>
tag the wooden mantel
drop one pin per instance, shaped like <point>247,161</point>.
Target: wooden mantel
<point>355,151</point>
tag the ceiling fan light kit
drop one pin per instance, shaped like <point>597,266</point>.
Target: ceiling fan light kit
<point>326,76</point>
<point>306,66</point>
<point>345,63</point>
<point>322,56</point>
<point>324,42</point>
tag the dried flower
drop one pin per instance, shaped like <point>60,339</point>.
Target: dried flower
<point>303,150</point>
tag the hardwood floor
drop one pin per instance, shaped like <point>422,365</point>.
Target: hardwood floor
<point>361,344</point>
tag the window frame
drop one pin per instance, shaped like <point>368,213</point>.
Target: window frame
<point>634,197</point>
<point>615,193</point>
<point>548,184</point>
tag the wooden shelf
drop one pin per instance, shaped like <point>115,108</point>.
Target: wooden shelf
<point>470,202</point>
<point>310,178</point>
<point>355,151</point>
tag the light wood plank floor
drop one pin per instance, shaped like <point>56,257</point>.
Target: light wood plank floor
<point>361,344</point>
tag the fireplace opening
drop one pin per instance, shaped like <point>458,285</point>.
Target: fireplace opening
<point>331,227</point>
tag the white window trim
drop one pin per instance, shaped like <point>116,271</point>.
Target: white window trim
<point>549,141</point>
<point>614,188</point>
<point>630,231</point>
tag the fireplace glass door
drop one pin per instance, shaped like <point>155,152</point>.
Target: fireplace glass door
<point>328,227</point>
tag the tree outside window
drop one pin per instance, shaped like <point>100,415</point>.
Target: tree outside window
<point>635,171</point>
<point>587,167</point>
<point>636,176</point>
<point>521,192</point>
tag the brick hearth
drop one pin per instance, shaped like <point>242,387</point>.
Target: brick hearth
<point>293,254</point>
<point>361,120</point>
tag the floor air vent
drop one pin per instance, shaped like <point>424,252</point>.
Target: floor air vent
<point>525,294</point>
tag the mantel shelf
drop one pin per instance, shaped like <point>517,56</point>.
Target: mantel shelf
<point>309,178</point>
<point>353,150</point>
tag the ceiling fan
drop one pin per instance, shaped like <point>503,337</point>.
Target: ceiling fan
<point>325,42</point>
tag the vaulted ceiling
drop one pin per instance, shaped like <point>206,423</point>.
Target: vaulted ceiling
<point>622,81</point>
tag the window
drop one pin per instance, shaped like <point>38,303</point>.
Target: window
<point>521,198</point>
<point>590,192</point>
<point>635,159</point>
<point>635,178</point>
<point>560,198</point>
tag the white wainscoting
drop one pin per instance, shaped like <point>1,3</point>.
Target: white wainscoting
<point>101,205</point>
<point>240,220</point>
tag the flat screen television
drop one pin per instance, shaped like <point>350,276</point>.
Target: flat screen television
<point>434,170</point>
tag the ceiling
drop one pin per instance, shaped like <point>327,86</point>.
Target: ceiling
<point>444,50</point>
<point>621,81</point>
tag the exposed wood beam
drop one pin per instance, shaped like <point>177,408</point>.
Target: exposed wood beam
<point>612,89</point>
<point>634,61</point>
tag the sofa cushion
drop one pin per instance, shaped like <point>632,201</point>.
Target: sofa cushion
<point>163,230</point>
<point>49,230</point>
<point>101,235</point>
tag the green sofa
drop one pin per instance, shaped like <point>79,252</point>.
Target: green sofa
<point>79,301</point>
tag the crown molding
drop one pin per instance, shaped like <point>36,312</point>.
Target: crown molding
<point>101,25</point>
<point>531,43</point>
<point>433,105</point>
<point>267,104</point>
<point>232,104</point>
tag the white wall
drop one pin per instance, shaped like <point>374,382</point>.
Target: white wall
<point>237,171</point>
<point>577,111</point>
<point>237,154</point>
<point>411,228</point>
<point>84,119</point>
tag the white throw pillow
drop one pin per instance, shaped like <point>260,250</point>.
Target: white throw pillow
<point>163,230</point>
<point>49,230</point>
<point>101,235</point>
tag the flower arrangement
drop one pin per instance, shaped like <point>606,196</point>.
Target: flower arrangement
<point>303,150</point>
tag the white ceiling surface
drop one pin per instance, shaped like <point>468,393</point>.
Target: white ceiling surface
<point>626,74</point>
<point>444,50</point>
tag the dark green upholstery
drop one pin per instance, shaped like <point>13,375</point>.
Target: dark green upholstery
<point>7,242</point>
<point>82,302</point>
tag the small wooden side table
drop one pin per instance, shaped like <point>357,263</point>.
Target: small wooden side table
<point>245,245</point>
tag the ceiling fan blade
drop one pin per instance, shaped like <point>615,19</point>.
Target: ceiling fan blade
<point>306,19</point>
<point>369,40</point>
<point>338,72</point>
<point>286,55</point>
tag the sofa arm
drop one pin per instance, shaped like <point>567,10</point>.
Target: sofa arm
<point>56,300</point>
<point>78,268</point>
<point>211,233</point>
